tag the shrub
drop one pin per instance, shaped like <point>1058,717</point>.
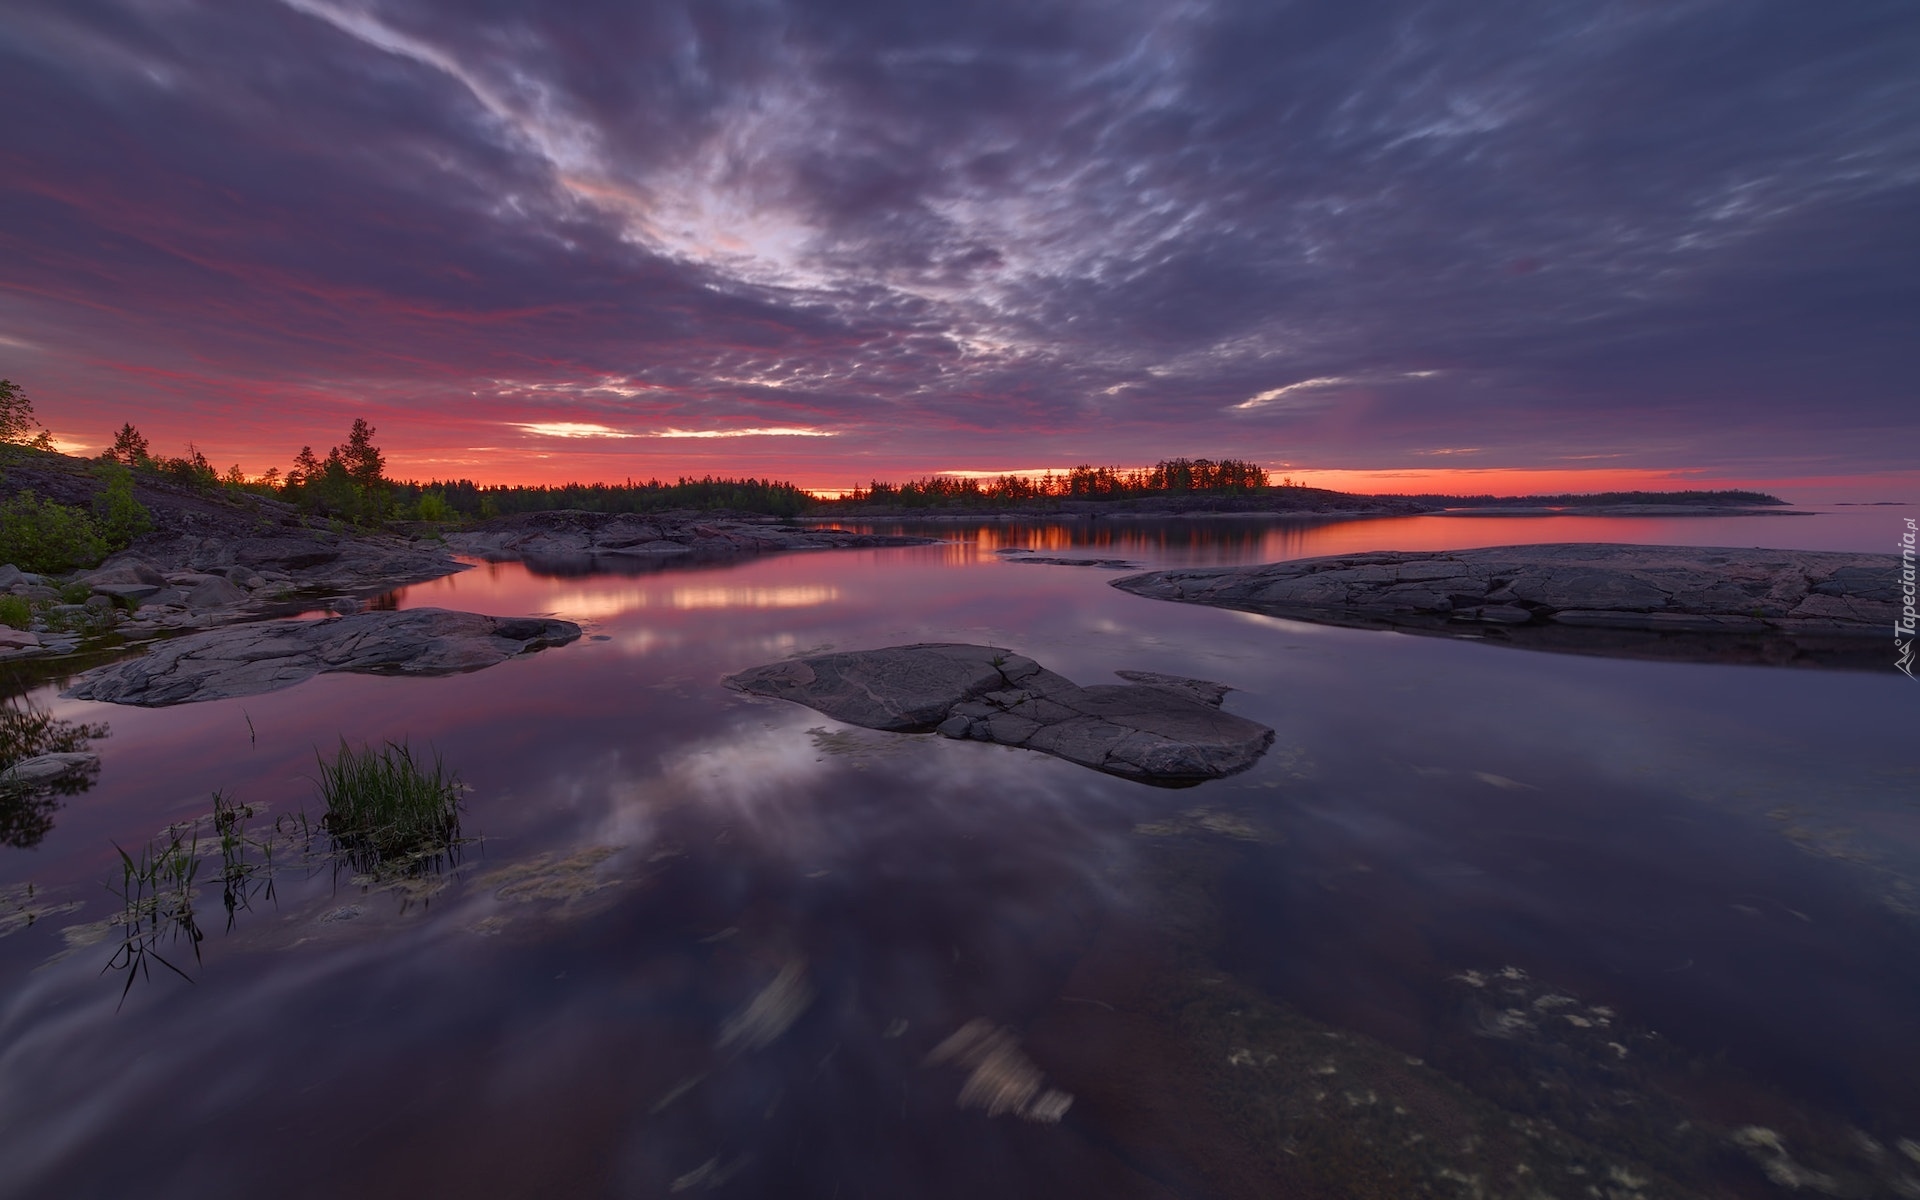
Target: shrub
<point>47,538</point>
<point>434,507</point>
<point>15,611</point>
<point>121,517</point>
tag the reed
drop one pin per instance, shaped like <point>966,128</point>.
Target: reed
<point>386,807</point>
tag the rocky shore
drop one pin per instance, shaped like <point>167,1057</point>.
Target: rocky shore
<point>214,564</point>
<point>1671,602</point>
<point>245,660</point>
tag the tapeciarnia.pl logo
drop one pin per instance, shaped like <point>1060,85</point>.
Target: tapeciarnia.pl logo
<point>1903,625</point>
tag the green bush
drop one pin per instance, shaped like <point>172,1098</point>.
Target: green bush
<point>47,538</point>
<point>121,517</point>
<point>15,611</point>
<point>434,507</point>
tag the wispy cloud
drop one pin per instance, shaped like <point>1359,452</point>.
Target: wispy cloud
<point>655,234</point>
<point>772,431</point>
<point>1304,387</point>
<point>571,429</point>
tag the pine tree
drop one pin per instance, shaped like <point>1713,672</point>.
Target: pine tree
<point>363,459</point>
<point>129,448</point>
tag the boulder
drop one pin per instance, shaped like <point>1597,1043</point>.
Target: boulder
<point>244,660</point>
<point>215,592</point>
<point>44,768</point>
<point>124,570</point>
<point>1160,729</point>
<point>135,592</point>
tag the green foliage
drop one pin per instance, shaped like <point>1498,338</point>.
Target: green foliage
<point>47,538</point>
<point>17,424</point>
<point>120,516</point>
<point>434,507</point>
<point>387,809</point>
<point>15,611</point>
<point>192,469</point>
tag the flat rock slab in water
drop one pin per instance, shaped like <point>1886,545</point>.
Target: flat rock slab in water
<point>244,660</point>
<point>1105,564</point>
<point>1641,601</point>
<point>1162,729</point>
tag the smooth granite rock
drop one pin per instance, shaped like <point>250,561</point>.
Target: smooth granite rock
<point>1644,601</point>
<point>1161,729</point>
<point>243,660</point>
<point>44,768</point>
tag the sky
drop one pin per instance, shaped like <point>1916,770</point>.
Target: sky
<point>1385,245</point>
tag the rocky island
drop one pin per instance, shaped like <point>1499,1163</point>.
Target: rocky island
<point>1676,602</point>
<point>1157,728</point>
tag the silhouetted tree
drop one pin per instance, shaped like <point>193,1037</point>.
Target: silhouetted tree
<point>17,424</point>
<point>361,457</point>
<point>129,448</point>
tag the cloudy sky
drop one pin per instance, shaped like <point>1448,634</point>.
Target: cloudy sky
<point>836,240</point>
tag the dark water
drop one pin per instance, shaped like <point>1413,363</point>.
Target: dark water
<point>1483,922</point>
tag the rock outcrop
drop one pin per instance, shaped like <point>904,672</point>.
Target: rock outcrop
<point>1645,601</point>
<point>243,660</point>
<point>1161,729</point>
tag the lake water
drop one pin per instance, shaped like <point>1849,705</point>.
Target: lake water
<point>1482,922</point>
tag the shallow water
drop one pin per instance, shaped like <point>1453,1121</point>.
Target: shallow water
<point>1537,922</point>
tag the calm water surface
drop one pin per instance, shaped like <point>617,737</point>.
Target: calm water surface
<point>1483,921</point>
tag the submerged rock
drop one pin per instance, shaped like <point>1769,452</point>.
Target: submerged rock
<point>1163,729</point>
<point>1684,602</point>
<point>243,660</point>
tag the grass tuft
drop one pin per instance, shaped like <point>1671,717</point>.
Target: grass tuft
<point>385,808</point>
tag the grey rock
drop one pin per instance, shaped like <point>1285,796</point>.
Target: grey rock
<point>124,570</point>
<point>1613,593</point>
<point>1160,729</point>
<point>215,592</point>
<point>10,575</point>
<point>17,639</point>
<point>243,660</point>
<point>126,591</point>
<point>43,768</point>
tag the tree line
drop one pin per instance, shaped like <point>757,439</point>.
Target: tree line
<point>1174,476</point>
